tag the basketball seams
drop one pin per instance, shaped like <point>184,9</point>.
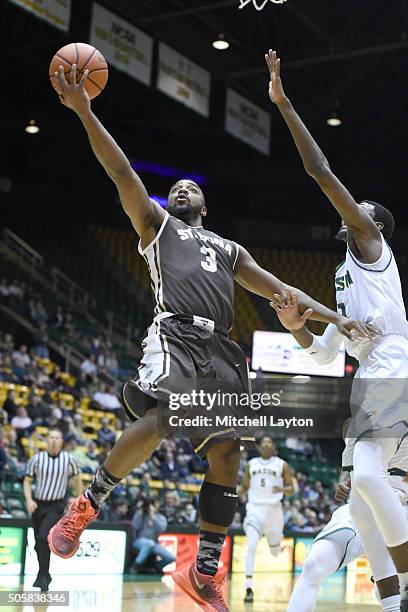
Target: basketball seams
<point>89,59</point>
<point>90,56</point>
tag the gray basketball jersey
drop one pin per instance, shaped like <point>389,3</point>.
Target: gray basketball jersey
<point>192,271</point>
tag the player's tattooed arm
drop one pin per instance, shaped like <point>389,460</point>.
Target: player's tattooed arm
<point>365,232</point>
<point>145,214</point>
<point>261,282</point>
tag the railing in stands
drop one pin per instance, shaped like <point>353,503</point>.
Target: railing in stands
<point>74,358</point>
<point>119,325</point>
<point>22,249</point>
<point>77,296</point>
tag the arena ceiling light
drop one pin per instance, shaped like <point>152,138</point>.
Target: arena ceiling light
<point>220,43</point>
<point>32,127</point>
<point>334,119</point>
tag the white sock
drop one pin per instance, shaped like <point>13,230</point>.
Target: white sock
<point>391,604</point>
<point>403,580</point>
<point>249,582</point>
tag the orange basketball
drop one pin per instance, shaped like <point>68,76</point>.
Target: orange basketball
<point>85,57</point>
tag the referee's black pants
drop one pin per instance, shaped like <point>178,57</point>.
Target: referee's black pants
<point>43,518</point>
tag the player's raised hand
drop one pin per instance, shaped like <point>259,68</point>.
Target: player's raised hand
<point>276,92</point>
<point>73,95</point>
<point>287,309</point>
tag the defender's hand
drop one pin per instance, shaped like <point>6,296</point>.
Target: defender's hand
<point>276,92</point>
<point>342,491</point>
<point>73,95</point>
<point>355,329</point>
<point>287,309</point>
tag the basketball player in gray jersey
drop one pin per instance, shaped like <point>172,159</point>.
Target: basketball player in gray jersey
<point>192,277</point>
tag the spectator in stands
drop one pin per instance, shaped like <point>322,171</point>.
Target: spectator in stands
<point>21,422</point>
<point>145,484</point>
<point>10,405</point>
<point>104,450</point>
<point>168,468</point>
<point>21,358</point>
<point>38,410</point>
<point>91,450</point>
<point>148,524</point>
<point>80,387</point>
<point>58,320</point>
<point>105,433</point>
<point>41,341</point>
<point>119,511</point>
<point>88,366</point>
<point>300,445</point>
<point>171,506</point>
<point>77,428</point>
<point>107,398</point>
<point>112,363</point>
<point>181,467</point>
<point>79,454</point>
<point>69,324</point>
<point>189,514</point>
<point>6,373</point>
<point>7,344</point>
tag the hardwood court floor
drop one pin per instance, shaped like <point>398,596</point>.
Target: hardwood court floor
<point>126,594</point>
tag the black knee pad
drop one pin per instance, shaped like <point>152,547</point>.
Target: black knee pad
<point>217,504</point>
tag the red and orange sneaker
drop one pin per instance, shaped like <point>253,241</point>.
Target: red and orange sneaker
<point>205,590</point>
<point>63,538</point>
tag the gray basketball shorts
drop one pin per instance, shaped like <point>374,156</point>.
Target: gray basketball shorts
<point>195,373</point>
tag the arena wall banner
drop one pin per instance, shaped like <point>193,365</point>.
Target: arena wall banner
<point>101,551</point>
<point>57,12</point>
<point>184,546</point>
<point>183,80</point>
<point>246,121</point>
<point>123,45</point>
<point>11,548</point>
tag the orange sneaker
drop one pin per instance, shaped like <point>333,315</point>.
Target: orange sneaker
<point>205,590</point>
<point>63,538</point>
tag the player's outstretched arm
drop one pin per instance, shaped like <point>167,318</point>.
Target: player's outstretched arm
<point>365,231</point>
<point>145,214</point>
<point>257,280</point>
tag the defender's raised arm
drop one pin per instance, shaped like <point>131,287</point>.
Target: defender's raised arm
<point>145,214</point>
<point>365,232</point>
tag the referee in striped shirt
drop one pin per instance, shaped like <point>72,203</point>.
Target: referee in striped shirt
<point>51,469</point>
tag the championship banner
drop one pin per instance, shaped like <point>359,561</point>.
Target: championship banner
<point>57,12</point>
<point>247,121</point>
<point>183,80</point>
<point>123,45</point>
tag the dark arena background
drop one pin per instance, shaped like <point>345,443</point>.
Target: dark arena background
<point>75,294</point>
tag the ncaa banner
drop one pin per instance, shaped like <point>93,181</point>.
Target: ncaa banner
<point>183,80</point>
<point>246,121</point>
<point>57,12</point>
<point>123,45</point>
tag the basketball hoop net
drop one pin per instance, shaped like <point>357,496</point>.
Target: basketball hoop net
<point>259,4</point>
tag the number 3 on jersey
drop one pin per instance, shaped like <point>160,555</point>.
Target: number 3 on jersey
<point>210,262</point>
